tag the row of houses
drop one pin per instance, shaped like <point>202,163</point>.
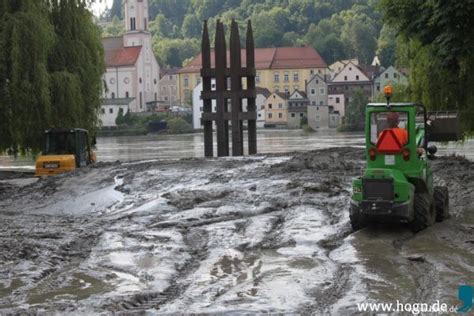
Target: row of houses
<point>299,76</point>
<point>322,100</point>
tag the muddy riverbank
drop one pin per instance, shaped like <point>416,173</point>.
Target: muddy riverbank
<point>268,233</point>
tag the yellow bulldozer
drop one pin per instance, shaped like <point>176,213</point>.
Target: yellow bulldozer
<point>65,150</point>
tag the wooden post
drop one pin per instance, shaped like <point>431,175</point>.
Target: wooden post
<point>236,86</point>
<point>250,57</point>
<point>223,94</point>
<point>206,87</point>
<point>221,86</point>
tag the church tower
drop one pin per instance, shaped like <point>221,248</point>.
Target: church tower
<point>136,15</point>
<point>137,34</point>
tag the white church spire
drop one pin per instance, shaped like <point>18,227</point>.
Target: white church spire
<point>136,15</point>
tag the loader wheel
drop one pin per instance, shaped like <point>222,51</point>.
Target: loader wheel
<point>356,220</point>
<point>441,200</point>
<point>424,212</point>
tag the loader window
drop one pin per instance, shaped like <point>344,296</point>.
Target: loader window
<point>60,144</point>
<point>380,121</point>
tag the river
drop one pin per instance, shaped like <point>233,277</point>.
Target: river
<point>161,146</point>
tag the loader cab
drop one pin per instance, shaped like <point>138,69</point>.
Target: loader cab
<point>69,142</point>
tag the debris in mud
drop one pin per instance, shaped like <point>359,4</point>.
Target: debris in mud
<point>259,234</point>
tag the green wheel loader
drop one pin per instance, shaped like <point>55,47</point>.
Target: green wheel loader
<point>397,185</point>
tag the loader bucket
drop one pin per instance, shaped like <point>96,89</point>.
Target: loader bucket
<point>444,126</point>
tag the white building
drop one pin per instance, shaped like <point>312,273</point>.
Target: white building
<point>198,104</point>
<point>132,72</point>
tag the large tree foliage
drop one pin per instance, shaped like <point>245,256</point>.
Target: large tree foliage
<point>51,63</point>
<point>437,43</point>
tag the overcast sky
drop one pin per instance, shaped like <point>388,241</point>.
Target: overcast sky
<point>99,6</point>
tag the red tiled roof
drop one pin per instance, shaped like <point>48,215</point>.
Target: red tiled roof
<point>126,56</point>
<point>116,55</point>
<point>270,58</point>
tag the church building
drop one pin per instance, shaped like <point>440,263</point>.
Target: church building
<point>132,75</point>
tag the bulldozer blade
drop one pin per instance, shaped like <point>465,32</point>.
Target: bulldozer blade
<point>444,126</point>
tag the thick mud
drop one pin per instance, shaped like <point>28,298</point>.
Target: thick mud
<point>257,234</point>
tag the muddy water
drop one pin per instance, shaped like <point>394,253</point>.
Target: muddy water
<point>258,234</point>
<point>191,145</point>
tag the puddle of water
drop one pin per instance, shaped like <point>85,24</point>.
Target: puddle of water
<point>79,286</point>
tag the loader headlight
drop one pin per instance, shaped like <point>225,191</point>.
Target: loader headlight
<point>357,189</point>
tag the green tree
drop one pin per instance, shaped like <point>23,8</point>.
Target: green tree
<point>177,125</point>
<point>386,46</point>
<point>114,28</point>
<point>191,26</point>
<point>438,41</point>
<point>355,119</point>
<point>51,63</point>
<point>173,51</point>
<point>26,37</point>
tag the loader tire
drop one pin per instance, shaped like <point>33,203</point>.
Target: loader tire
<point>424,213</point>
<point>357,222</point>
<point>441,201</point>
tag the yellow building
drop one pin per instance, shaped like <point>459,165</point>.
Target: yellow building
<point>281,69</point>
<point>276,109</point>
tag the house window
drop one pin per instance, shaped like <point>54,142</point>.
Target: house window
<point>126,94</point>
<point>154,80</point>
<point>186,81</point>
<point>198,81</point>
<point>301,114</point>
<point>132,24</point>
<point>113,95</point>
<point>317,108</point>
<point>345,78</point>
<point>141,100</point>
<point>285,77</point>
<point>280,106</point>
<point>269,105</point>
<point>280,115</point>
<point>322,91</point>
<point>386,76</point>
<point>395,75</point>
<point>276,77</point>
<point>319,71</point>
<point>140,80</point>
<point>111,111</point>
<point>146,24</point>
<point>357,77</point>
<point>350,68</point>
<point>120,110</point>
<point>313,103</point>
<point>287,89</point>
<point>338,100</point>
<point>321,102</point>
<point>269,115</point>
<point>313,91</point>
<point>292,114</point>
<point>103,111</point>
<point>259,114</point>
<point>378,88</point>
<point>311,72</point>
<point>257,78</point>
<point>296,77</point>
<point>317,81</point>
